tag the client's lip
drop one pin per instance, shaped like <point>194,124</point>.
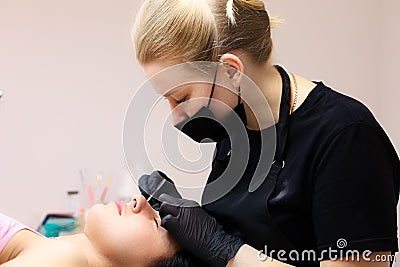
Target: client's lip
<point>120,206</point>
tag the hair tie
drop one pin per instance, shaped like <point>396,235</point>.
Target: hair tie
<point>230,11</point>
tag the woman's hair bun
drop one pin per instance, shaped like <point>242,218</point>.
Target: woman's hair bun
<point>202,30</point>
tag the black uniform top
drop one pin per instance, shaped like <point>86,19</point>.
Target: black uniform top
<point>340,181</point>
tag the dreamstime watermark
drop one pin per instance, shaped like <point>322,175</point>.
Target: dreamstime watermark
<point>327,254</point>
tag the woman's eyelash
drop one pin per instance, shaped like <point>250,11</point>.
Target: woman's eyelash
<point>156,221</point>
<point>181,100</point>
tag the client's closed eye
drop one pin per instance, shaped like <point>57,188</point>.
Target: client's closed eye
<point>156,222</point>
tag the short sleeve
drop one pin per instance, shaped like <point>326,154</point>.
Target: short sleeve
<point>356,192</point>
<point>8,229</point>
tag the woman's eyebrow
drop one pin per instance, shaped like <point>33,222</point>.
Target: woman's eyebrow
<point>167,94</point>
<point>179,91</point>
<point>171,92</point>
<point>176,95</point>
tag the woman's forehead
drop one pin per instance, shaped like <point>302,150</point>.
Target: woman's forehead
<point>164,79</point>
<point>170,244</point>
<point>167,238</point>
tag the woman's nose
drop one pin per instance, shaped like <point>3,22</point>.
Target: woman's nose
<point>178,115</point>
<point>139,204</point>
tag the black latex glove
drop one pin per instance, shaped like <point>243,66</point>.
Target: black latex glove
<point>150,185</point>
<point>196,231</point>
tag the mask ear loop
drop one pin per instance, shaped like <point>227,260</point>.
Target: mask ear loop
<point>213,87</point>
<point>239,95</point>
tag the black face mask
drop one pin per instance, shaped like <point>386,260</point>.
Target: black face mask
<point>203,125</point>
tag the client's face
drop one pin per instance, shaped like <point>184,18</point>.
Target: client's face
<point>129,233</point>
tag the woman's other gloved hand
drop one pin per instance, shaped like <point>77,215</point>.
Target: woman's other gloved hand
<point>196,231</point>
<point>156,184</point>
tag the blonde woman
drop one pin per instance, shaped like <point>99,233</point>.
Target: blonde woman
<point>334,181</point>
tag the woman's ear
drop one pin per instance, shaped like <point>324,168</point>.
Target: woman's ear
<point>233,68</point>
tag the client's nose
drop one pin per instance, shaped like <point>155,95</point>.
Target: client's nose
<point>139,204</point>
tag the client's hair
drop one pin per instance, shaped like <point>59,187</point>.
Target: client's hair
<point>182,259</point>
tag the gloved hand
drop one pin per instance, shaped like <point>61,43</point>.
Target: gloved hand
<point>155,184</point>
<point>197,232</point>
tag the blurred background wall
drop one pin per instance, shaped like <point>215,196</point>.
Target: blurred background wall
<point>67,71</point>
